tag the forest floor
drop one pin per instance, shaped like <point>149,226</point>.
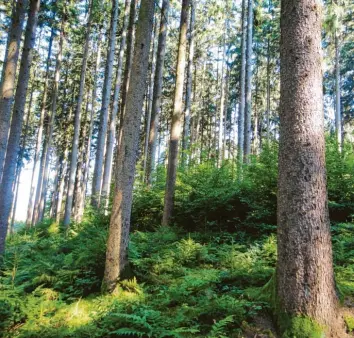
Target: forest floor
<point>182,285</point>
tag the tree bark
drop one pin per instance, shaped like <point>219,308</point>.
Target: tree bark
<point>37,157</point>
<point>241,112</point>
<point>6,191</point>
<point>8,80</point>
<point>117,245</point>
<point>187,111</point>
<point>305,279</point>
<point>107,176</point>
<point>248,107</point>
<point>177,116</point>
<point>77,122</point>
<point>338,118</point>
<point>157,93</point>
<point>106,96</point>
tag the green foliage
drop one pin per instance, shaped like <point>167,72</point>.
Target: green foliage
<point>303,327</point>
<point>349,321</point>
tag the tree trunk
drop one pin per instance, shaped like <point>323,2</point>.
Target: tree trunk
<point>8,79</point>
<point>149,96</point>
<point>37,158</point>
<point>107,176</point>
<point>6,191</point>
<point>44,165</point>
<point>248,107</point>
<point>241,113</point>
<point>106,96</point>
<point>222,107</point>
<point>157,93</point>
<point>176,117</point>
<point>305,279</point>
<point>77,122</point>
<point>338,96</point>
<point>188,103</point>
<point>117,245</point>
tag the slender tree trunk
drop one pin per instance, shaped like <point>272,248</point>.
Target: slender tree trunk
<point>150,94</point>
<point>6,191</point>
<point>8,79</point>
<point>241,113</point>
<point>248,106</point>
<point>37,157</point>
<point>106,96</point>
<point>338,96</point>
<point>188,103</point>
<point>226,105</point>
<point>268,90</point>
<point>108,164</point>
<point>44,165</point>
<point>305,279</point>
<point>117,245</point>
<point>75,142</point>
<point>222,107</point>
<point>176,126</point>
<point>63,176</point>
<point>157,92</point>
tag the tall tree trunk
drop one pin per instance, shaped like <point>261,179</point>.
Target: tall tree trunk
<point>37,157</point>
<point>222,106</point>
<point>305,279</point>
<point>106,96</point>
<point>6,191</point>
<point>338,95</point>
<point>248,107</point>
<point>187,111</point>
<point>149,96</point>
<point>108,164</point>
<point>44,165</point>
<point>177,116</point>
<point>241,112</point>
<point>77,122</point>
<point>8,79</point>
<point>226,105</point>
<point>157,92</point>
<point>117,245</point>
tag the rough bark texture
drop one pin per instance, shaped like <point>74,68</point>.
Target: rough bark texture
<point>77,122</point>
<point>37,157</point>
<point>177,115</point>
<point>7,86</point>
<point>106,96</point>
<point>241,111</point>
<point>117,245</point>
<point>6,191</point>
<point>108,164</point>
<point>305,279</point>
<point>248,106</point>
<point>156,99</point>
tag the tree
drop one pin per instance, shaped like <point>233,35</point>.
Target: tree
<point>118,238</point>
<point>77,122</point>
<point>305,279</point>
<point>107,87</point>
<point>157,92</point>
<point>7,84</point>
<point>6,187</point>
<point>176,124</point>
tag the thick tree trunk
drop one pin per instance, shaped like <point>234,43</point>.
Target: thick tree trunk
<point>6,191</point>
<point>77,122</point>
<point>117,245</point>
<point>188,103</point>
<point>305,279</point>
<point>157,93</point>
<point>176,126</point>
<point>7,85</point>
<point>37,157</point>
<point>106,96</point>
<point>248,107</point>
<point>107,176</point>
<point>241,112</point>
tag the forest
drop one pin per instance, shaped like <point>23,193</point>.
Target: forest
<point>177,168</point>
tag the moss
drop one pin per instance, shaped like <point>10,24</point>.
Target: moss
<point>349,321</point>
<point>302,327</point>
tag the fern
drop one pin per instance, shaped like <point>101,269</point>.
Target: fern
<point>218,330</point>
